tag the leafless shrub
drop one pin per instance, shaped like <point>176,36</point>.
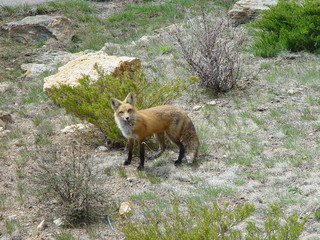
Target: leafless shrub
<point>67,184</point>
<point>211,47</point>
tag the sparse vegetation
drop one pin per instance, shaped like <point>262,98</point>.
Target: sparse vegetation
<point>214,222</point>
<point>69,178</point>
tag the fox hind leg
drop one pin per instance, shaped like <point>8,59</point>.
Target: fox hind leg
<point>182,150</point>
<point>162,145</point>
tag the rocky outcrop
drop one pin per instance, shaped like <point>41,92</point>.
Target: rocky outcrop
<point>39,28</point>
<point>84,65</point>
<point>245,10</point>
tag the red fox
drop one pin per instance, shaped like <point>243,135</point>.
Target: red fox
<point>167,119</point>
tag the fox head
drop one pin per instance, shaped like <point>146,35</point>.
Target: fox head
<point>124,110</point>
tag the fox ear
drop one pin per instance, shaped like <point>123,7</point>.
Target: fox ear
<point>129,99</point>
<point>115,103</point>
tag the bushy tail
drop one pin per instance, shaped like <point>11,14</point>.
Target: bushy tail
<point>190,140</point>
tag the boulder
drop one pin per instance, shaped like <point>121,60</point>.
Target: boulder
<point>245,10</point>
<point>39,28</point>
<point>84,65</point>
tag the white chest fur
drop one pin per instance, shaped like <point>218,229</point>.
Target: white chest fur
<point>126,127</point>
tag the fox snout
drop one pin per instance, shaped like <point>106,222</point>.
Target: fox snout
<point>126,117</point>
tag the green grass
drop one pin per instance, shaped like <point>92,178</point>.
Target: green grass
<point>143,196</point>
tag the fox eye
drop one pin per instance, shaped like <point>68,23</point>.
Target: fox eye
<point>121,112</point>
<point>129,110</point>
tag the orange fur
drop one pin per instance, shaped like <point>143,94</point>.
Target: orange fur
<point>157,120</point>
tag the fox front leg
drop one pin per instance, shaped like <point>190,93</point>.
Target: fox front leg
<point>128,161</point>
<point>141,151</point>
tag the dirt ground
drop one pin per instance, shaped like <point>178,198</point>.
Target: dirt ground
<point>259,143</point>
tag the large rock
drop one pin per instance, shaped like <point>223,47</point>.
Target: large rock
<point>84,65</point>
<point>39,28</point>
<point>245,10</point>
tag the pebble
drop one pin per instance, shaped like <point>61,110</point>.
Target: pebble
<point>196,108</point>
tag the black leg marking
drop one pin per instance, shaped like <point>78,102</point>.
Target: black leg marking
<point>181,154</point>
<point>128,161</point>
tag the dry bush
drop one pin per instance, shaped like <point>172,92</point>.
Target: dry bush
<point>68,184</point>
<point>211,47</point>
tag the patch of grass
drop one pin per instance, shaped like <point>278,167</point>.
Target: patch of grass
<point>164,49</point>
<point>241,160</point>
<point>122,172</point>
<point>38,120</point>
<point>239,182</point>
<point>317,214</point>
<point>204,135</point>
<point>210,192</point>
<point>308,115</point>
<point>21,188</point>
<point>64,235</point>
<point>3,201</point>
<point>108,171</point>
<point>195,179</point>
<point>8,9</point>
<point>153,179</point>
<point>256,175</point>
<point>10,226</point>
<point>144,18</point>
<point>35,95</point>
<point>143,196</point>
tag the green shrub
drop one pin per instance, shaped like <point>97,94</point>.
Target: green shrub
<point>289,25</point>
<point>213,222</point>
<point>91,102</point>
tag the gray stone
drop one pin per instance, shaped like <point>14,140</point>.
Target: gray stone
<point>39,28</point>
<point>84,65</point>
<point>245,10</point>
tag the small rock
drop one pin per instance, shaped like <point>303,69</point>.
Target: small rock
<point>212,103</point>
<point>4,86</point>
<point>6,117</point>
<point>42,225</point>
<point>261,109</point>
<point>196,108</point>
<point>75,127</point>
<point>294,91</point>
<point>58,222</point>
<point>102,149</point>
<point>125,209</point>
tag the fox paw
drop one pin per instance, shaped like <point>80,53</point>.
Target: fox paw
<point>140,168</point>
<point>127,162</point>
<point>177,163</point>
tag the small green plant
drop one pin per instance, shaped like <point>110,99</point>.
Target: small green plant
<point>289,25</point>
<point>317,214</point>
<point>65,236</point>
<point>9,10</point>
<point>277,226</point>
<point>10,226</point>
<point>91,102</point>
<point>165,49</point>
<point>122,172</point>
<point>143,196</point>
